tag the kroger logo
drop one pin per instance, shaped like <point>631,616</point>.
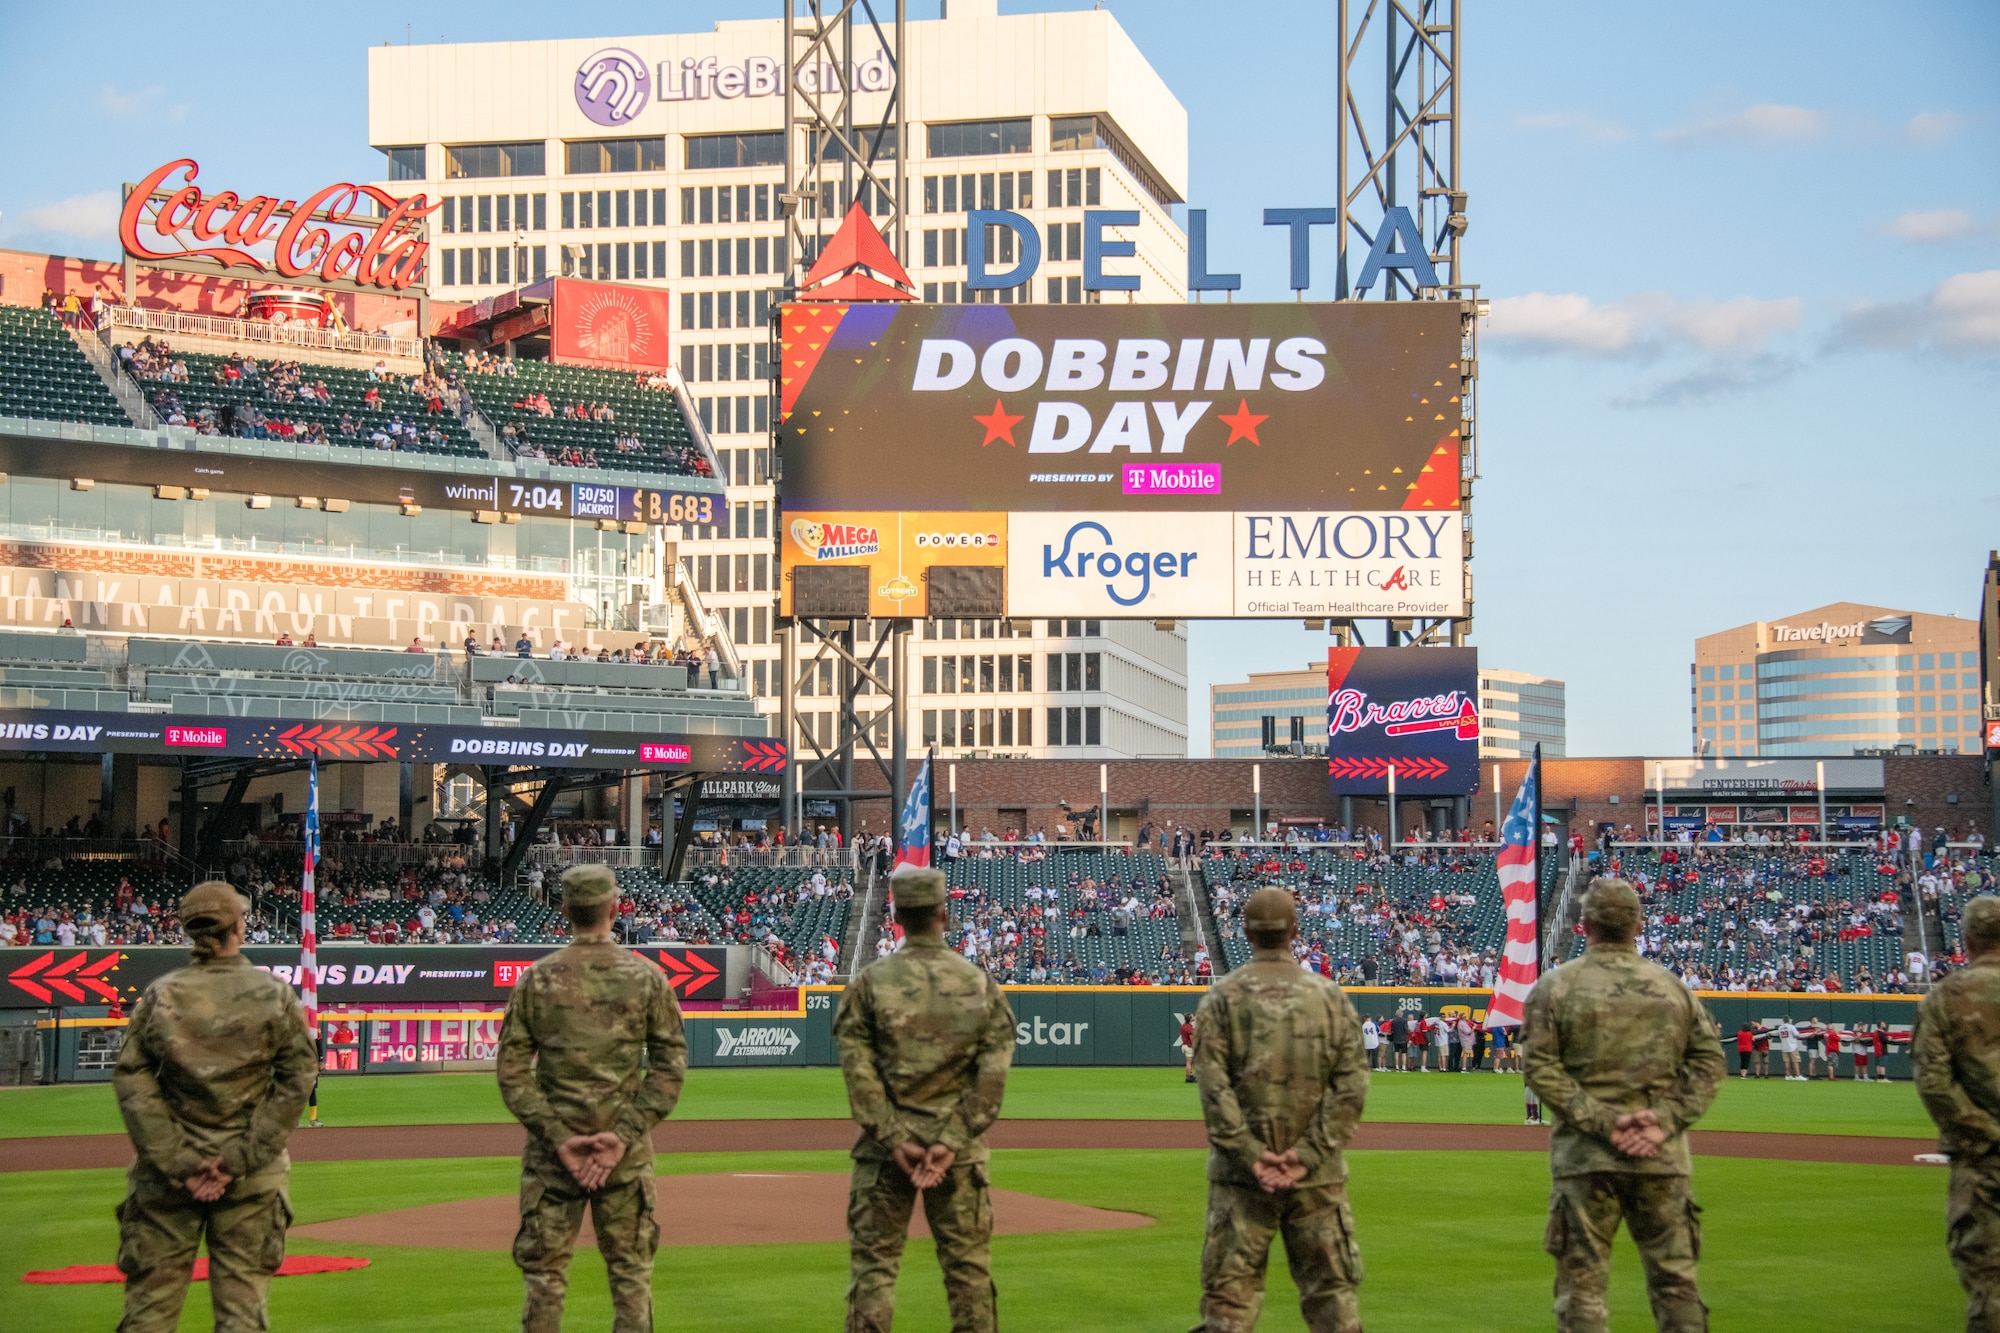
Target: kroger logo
<point>1089,553</point>
<point>612,86</point>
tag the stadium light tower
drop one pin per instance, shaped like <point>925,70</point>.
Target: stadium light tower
<point>1397,122</point>
<point>829,163</point>
<point>832,163</point>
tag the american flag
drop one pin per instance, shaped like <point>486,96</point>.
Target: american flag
<point>1520,839</point>
<point>308,928</point>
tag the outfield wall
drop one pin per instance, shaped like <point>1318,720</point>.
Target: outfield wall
<point>1054,1025</point>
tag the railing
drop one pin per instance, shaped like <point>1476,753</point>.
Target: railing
<point>260,331</point>
<point>767,962</point>
<point>586,854</point>
<point>798,858</point>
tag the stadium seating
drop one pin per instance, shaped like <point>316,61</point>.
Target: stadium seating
<point>1419,888</point>
<point>347,388</point>
<point>44,374</point>
<point>1080,941</point>
<point>800,923</point>
<point>595,696</point>
<point>666,444</point>
<point>49,671</point>
<point>325,684</point>
<point>1765,917</point>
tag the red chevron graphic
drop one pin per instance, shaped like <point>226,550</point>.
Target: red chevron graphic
<point>763,756</point>
<point>689,973</point>
<point>333,742</point>
<point>57,980</point>
<point>1377,766</point>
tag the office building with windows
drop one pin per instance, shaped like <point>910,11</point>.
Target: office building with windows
<point>657,160</point>
<point>1268,707</point>
<point>1836,680</point>
<point>1517,712</point>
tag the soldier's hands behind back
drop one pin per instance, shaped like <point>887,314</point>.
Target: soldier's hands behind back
<point>910,1160</point>
<point>1638,1134</point>
<point>936,1162</point>
<point>210,1183</point>
<point>1277,1173</point>
<point>578,1155</point>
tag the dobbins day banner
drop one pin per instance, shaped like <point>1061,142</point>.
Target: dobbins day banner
<point>1349,407</point>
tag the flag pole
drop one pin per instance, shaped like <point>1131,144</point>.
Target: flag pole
<point>308,935</point>
<point>1532,1105</point>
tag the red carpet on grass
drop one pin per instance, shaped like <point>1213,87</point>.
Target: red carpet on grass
<point>294,1266</point>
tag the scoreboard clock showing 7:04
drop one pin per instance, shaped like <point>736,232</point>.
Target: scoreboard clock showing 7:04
<point>628,504</point>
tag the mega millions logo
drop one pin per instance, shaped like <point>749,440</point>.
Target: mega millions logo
<point>835,541</point>
<point>613,86</point>
<point>612,326</point>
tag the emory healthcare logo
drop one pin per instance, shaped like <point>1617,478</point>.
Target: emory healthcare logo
<point>750,1043</point>
<point>613,86</point>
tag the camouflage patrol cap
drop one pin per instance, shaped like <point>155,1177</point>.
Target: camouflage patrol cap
<point>1270,909</point>
<point>589,886</point>
<point>1612,905</point>
<point>1980,922</point>
<point>917,886</point>
<point>212,902</point>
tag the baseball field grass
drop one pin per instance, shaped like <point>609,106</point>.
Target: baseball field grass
<point>1756,1105</point>
<point>1451,1241</point>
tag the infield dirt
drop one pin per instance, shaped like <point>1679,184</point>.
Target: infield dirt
<point>742,1208</point>
<point>408,1142</point>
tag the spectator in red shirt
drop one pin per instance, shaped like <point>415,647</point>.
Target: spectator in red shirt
<point>1187,1045</point>
<point>1745,1045</point>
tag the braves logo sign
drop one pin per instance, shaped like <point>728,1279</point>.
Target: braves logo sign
<point>321,236</point>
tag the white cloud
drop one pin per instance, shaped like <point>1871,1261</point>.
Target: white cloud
<point>1764,123</point>
<point>1576,122</point>
<point>1715,377</point>
<point>94,216</point>
<point>1936,224</point>
<point>127,103</point>
<point>1960,314</point>
<point>1932,126</point>
<point>1641,325</point>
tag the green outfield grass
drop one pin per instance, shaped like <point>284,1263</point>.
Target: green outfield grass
<point>1767,1105</point>
<point>1451,1241</point>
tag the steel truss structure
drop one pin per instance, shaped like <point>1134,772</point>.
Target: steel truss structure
<point>835,155</point>
<point>1397,123</point>
<point>828,162</point>
<point>865,675</point>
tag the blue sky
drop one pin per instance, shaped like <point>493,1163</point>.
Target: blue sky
<point>1744,260</point>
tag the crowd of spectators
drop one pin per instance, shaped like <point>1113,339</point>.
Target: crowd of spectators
<point>1368,916</point>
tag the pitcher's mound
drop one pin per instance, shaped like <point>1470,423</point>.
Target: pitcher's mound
<point>747,1208</point>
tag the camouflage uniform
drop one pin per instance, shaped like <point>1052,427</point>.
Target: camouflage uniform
<point>217,1063</point>
<point>925,1042</point>
<point>592,1042</point>
<point>1279,1056</point>
<point>1606,1035</point>
<point>1957,1058</point>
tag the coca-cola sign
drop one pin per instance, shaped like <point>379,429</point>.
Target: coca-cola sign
<point>320,237</point>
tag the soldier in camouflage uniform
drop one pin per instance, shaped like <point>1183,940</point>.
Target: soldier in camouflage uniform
<point>592,1056</point>
<point>1957,1060</point>
<point>1283,1075</point>
<point>216,1066</point>
<point>1625,1058</point>
<point>925,1042</point>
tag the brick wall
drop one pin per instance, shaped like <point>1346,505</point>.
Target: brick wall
<point>1203,793</point>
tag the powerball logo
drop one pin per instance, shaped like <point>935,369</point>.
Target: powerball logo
<point>835,541</point>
